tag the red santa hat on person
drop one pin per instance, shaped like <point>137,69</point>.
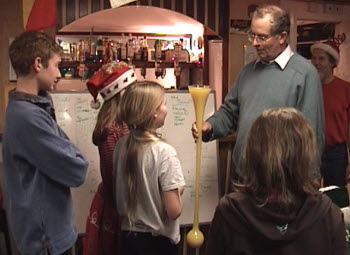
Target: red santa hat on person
<point>112,78</point>
<point>330,46</point>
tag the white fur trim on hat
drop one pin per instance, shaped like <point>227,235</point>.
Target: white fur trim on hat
<point>120,83</point>
<point>95,104</point>
<point>327,48</point>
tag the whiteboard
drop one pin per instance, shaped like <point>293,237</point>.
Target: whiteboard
<point>77,119</point>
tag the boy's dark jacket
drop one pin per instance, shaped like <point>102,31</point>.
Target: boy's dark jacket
<point>242,227</point>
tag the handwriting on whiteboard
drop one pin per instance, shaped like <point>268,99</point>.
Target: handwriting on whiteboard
<point>78,119</point>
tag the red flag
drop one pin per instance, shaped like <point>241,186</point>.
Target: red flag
<point>43,15</point>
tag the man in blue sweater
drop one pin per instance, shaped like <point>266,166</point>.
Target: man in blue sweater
<point>279,78</point>
<point>40,163</point>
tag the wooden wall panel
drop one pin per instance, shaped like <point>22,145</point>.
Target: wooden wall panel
<point>205,11</point>
<point>167,4</point>
<point>156,3</point>
<point>83,8</point>
<point>200,11</point>
<point>178,6</point>
<point>11,25</point>
<point>224,12</point>
<point>95,5</point>
<point>70,11</point>
<point>190,8</point>
<point>59,13</point>
<point>143,2</point>
<point>211,7</point>
<point>106,4</point>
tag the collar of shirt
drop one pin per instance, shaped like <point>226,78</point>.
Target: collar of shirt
<point>43,100</point>
<point>282,59</point>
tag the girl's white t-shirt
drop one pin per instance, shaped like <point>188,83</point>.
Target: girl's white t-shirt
<point>160,170</point>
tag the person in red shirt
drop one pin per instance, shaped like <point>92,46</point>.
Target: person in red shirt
<point>103,232</point>
<point>336,98</point>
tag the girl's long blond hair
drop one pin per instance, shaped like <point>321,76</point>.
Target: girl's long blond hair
<point>137,108</point>
<point>278,158</point>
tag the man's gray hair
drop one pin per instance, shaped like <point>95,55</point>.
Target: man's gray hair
<point>280,18</point>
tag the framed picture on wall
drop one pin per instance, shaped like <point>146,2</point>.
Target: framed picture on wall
<point>239,26</point>
<point>12,74</point>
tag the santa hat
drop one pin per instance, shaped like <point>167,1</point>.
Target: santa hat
<point>109,81</point>
<point>331,47</point>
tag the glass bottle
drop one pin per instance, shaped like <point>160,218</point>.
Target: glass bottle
<point>158,50</point>
<point>144,49</point>
<point>123,52</point>
<point>99,49</point>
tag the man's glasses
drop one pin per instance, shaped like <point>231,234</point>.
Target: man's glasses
<point>258,37</point>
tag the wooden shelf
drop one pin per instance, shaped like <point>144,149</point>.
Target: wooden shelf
<point>75,64</point>
<point>136,63</point>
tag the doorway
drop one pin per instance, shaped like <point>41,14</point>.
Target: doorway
<point>310,32</point>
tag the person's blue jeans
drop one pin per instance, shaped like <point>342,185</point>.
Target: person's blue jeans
<point>333,167</point>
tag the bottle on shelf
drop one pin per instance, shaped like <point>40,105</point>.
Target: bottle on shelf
<point>158,50</point>
<point>177,50</point>
<point>182,44</point>
<point>110,51</point>
<point>80,51</point>
<point>81,70</point>
<point>131,47</point>
<point>86,50</point>
<point>123,51</point>
<point>99,50</point>
<point>73,51</point>
<point>106,50</point>
<point>200,59</point>
<point>66,51</point>
<point>92,56</point>
<point>117,47</point>
<point>144,55</point>
<point>138,49</point>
